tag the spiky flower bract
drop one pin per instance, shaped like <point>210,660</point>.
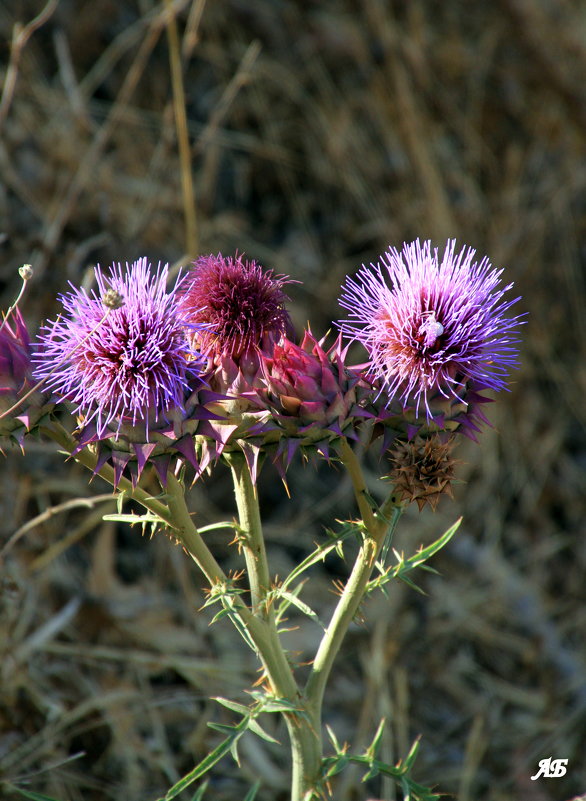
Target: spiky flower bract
<point>20,405</point>
<point>239,306</point>
<point>123,364</point>
<point>310,384</point>
<point>313,397</point>
<point>15,357</point>
<point>432,326</point>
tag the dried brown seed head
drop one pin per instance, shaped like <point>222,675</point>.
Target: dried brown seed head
<point>423,470</point>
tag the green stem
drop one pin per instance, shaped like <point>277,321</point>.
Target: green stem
<point>306,753</point>
<point>340,621</point>
<point>305,744</point>
<point>58,434</point>
<point>395,510</point>
<point>186,531</point>
<point>258,624</point>
<point>251,534</point>
<point>304,726</point>
<point>377,528</point>
<point>174,514</point>
<point>263,635</point>
<point>361,494</point>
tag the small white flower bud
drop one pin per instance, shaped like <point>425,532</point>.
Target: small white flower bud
<point>112,299</point>
<point>26,272</point>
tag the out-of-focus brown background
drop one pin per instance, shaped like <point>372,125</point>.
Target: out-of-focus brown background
<point>320,134</point>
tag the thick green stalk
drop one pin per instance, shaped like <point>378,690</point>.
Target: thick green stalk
<point>341,619</point>
<point>174,514</point>
<point>303,727</point>
<point>251,536</point>
<point>186,531</point>
<point>361,494</point>
<point>306,753</point>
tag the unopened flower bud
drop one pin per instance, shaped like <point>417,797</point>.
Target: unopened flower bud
<point>26,272</point>
<point>112,299</point>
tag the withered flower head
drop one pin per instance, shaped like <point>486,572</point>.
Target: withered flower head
<point>423,470</point>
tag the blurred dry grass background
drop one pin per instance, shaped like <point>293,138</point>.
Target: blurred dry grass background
<point>319,134</point>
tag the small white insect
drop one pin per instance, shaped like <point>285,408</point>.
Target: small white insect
<point>430,329</point>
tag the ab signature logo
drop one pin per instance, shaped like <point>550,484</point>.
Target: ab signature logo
<point>551,768</point>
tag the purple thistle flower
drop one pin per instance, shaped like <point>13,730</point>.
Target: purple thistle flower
<point>239,306</point>
<point>119,364</point>
<point>432,326</point>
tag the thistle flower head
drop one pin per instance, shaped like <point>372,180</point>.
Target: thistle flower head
<point>117,363</point>
<point>239,307</point>
<point>432,326</point>
<point>308,383</point>
<point>313,397</point>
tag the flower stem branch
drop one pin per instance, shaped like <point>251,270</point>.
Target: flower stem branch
<point>24,274</point>
<point>58,434</point>
<point>352,465</point>
<point>175,514</point>
<point>262,632</point>
<point>377,529</point>
<point>340,621</point>
<point>186,531</point>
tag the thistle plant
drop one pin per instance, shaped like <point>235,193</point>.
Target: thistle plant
<point>209,372</point>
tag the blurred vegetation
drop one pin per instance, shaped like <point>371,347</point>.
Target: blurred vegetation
<point>319,134</point>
